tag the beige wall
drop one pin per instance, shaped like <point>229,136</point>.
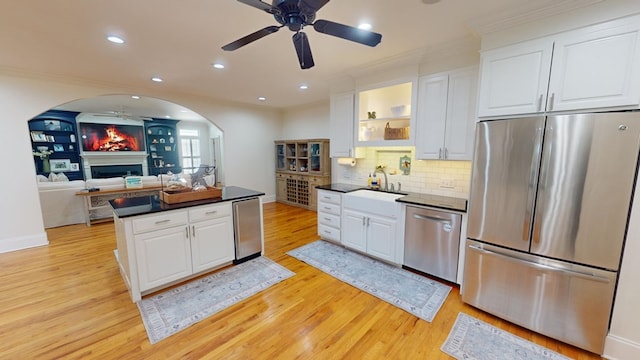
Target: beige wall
<point>248,144</point>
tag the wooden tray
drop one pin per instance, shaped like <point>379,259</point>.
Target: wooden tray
<point>180,197</point>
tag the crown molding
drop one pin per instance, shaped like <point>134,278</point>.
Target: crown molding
<point>532,11</point>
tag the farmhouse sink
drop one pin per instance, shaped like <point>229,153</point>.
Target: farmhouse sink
<point>377,202</point>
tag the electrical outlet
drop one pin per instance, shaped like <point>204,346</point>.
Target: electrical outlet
<point>446,183</point>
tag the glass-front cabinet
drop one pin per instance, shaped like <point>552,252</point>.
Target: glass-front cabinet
<point>385,116</point>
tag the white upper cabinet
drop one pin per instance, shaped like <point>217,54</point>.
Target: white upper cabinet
<point>446,115</point>
<point>588,68</point>
<point>596,69</point>
<point>513,79</point>
<point>385,116</point>
<point>341,125</point>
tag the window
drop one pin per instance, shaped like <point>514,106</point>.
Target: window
<point>190,150</point>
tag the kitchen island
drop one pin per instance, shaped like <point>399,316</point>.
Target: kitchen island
<point>160,244</point>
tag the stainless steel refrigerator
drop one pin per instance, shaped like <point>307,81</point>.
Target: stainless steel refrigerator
<point>548,213</point>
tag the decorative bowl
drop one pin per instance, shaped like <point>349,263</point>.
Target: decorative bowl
<point>397,111</point>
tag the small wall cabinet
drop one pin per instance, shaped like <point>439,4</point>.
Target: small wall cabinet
<point>382,107</point>
<point>301,165</point>
<point>446,115</point>
<point>162,143</point>
<point>341,126</point>
<point>587,68</point>
<point>55,131</point>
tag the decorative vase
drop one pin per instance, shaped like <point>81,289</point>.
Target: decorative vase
<point>45,166</point>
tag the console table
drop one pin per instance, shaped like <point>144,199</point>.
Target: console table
<point>96,203</point>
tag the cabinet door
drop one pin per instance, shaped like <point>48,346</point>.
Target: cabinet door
<point>211,243</point>
<point>163,256</point>
<point>513,79</point>
<point>281,188</point>
<point>593,69</point>
<point>432,114</point>
<point>461,114</point>
<point>381,237</point>
<point>354,230</point>
<point>341,125</point>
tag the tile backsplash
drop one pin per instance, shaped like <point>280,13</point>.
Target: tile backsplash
<point>439,177</point>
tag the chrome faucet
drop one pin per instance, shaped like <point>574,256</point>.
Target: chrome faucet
<point>386,184</point>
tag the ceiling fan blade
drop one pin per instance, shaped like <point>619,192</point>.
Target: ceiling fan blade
<point>364,37</point>
<point>250,38</point>
<point>261,5</point>
<point>313,5</point>
<point>301,42</point>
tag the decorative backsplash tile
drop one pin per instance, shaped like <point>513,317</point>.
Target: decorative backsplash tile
<point>447,178</point>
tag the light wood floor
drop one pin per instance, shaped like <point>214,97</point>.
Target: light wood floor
<point>67,300</point>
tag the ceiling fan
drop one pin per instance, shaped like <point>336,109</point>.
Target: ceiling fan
<point>123,115</point>
<point>296,14</point>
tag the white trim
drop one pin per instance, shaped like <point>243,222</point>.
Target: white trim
<point>23,242</point>
<point>616,348</point>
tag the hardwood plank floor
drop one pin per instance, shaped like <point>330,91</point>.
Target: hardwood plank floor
<point>67,300</point>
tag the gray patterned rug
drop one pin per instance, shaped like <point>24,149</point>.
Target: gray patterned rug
<point>169,312</point>
<point>473,339</point>
<point>415,294</point>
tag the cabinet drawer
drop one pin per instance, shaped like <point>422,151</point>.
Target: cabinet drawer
<point>210,212</point>
<point>329,233</point>
<point>329,208</point>
<point>330,220</point>
<point>329,197</point>
<point>162,221</point>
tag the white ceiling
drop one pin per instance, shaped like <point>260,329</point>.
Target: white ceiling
<point>179,40</point>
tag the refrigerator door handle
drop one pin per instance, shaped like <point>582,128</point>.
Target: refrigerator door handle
<point>573,273</point>
<point>533,179</point>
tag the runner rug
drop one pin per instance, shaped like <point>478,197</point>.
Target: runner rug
<point>473,339</point>
<point>413,293</point>
<point>169,312</point>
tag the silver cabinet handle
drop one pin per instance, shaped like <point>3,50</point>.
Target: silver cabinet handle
<point>364,221</point>
<point>439,153</point>
<point>186,229</point>
<point>551,100</point>
<point>588,276</point>
<point>540,103</point>
<point>193,230</point>
<point>327,232</point>
<point>327,219</point>
<point>367,222</point>
<point>211,212</point>
<point>162,221</point>
<point>446,153</point>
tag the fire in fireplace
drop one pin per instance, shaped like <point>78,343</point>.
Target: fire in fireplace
<point>106,137</point>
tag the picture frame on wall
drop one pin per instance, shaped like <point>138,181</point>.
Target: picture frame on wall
<point>60,165</point>
<point>52,125</point>
<point>75,167</point>
<point>58,147</point>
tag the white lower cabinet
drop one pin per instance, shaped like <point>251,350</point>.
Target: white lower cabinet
<point>163,256</point>
<point>160,249</point>
<point>329,212</point>
<point>370,233</point>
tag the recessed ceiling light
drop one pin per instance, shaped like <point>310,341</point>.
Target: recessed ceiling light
<point>156,79</point>
<point>218,66</point>
<point>262,98</point>
<point>364,26</point>
<point>303,87</point>
<point>115,39</point>
<point>135,97</point>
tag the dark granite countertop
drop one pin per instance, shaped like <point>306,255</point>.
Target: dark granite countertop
<point>126,207</point>
<point>410,198</point>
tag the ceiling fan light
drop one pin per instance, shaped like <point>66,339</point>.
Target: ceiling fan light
<point>303,87</point>
<point>364,26</point>
<point>156,79</point>
<point>218,66</point>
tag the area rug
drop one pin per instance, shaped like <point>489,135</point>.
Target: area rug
<point>413,293</point>
<point>167,313</point>
<point>473,339</point>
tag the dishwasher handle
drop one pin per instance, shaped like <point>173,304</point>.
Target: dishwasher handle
<point>432,218</point>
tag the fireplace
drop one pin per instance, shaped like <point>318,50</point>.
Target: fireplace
<point>109,171</point>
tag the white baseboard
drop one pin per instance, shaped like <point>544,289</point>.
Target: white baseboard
<point>23,242</point>
<point>617,348</point>
<point>268,199</point>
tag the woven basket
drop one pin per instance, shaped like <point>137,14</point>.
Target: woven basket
<point>395,133</point>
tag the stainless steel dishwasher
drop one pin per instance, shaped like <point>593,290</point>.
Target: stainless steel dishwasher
<point>432,239</point>
<point>247,226</point>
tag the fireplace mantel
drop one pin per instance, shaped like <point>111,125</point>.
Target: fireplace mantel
<point>90,159</point>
